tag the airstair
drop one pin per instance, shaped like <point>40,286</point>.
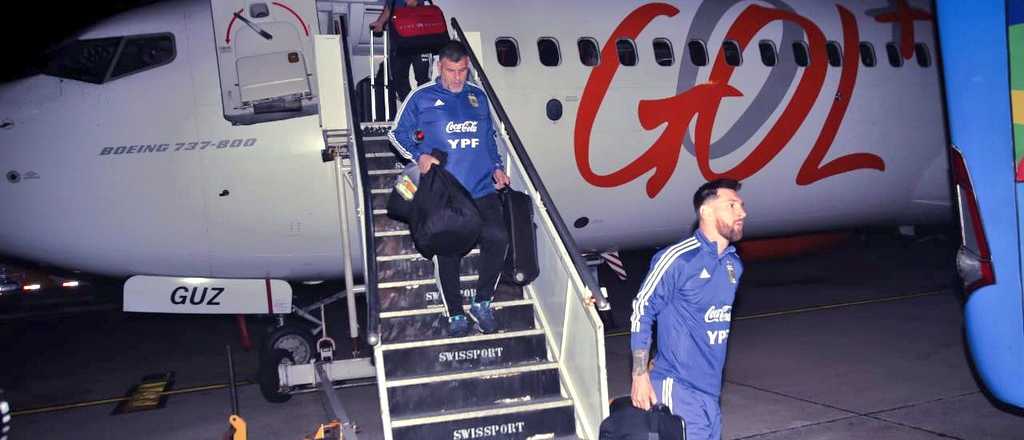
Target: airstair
<point>541,376</point>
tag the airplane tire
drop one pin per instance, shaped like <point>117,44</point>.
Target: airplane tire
<point>293,338</point>
<point>270,384</point>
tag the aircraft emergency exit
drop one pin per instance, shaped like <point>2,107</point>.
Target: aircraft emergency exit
<point>182,140</point>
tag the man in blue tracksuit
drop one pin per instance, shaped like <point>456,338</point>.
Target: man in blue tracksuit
<point>689,291</point>
<point>452,115</point>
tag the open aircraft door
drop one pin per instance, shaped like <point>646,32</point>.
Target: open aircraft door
<point>265,58</point>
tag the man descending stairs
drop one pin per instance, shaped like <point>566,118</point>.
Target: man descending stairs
<point>436,386</point>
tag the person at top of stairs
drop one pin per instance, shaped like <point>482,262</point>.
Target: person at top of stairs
<point>401,59</point>
<point>451,114</point>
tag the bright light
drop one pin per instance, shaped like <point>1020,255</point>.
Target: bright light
<point>70,284</point>
<point>195,280</point>
<point>32,287</point>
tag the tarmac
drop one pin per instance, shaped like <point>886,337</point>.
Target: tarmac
<point>861,341</point>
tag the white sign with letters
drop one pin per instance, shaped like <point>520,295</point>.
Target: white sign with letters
<point>155,294</point>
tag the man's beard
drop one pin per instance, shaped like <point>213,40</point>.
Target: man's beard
<point>733,232</point>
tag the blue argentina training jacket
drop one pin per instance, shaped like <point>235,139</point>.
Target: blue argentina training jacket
<point>459,123</point>
<point>689,291</point>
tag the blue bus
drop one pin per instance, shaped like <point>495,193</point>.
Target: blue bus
<point>982,47</point>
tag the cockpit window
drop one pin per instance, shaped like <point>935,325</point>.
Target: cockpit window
<point>100,60</point>
<point>143,52</point>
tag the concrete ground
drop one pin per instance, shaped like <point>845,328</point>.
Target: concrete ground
<point>862,341</point>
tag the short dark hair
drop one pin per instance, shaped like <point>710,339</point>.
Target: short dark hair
<point>709,191</point>
<point>453,50</point>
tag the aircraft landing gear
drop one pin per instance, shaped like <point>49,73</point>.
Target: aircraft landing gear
<point>270,385</point>
<point>294,338</point>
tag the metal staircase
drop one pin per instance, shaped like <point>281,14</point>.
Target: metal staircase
<point>541,376</point>
<point>434,386</point>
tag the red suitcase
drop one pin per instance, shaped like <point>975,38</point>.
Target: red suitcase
<point>419,29</point>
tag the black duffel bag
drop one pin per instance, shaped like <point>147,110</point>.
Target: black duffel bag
<point>443,219</point>
<point>628,422</point>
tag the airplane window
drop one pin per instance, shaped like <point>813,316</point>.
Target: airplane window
<point>768,55</point>
<point>663,54</point>
<point>895,60</point>
<point>627,52</point>
<point>91,60</point>
<point>507,52</point>
<point>733,57</point>
<point>589,55</point>
<point>698,52</point>
<point>835,54</point>
<point>800,55</point>
<point>867,54</point>
<point>143,52</point>
<point>923,57</point>
<point>547,48</point>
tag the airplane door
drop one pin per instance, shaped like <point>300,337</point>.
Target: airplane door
<point>265,58</point>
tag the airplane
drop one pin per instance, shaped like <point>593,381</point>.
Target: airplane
<point>137,168</point>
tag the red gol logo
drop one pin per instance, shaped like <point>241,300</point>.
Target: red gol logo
<point>700,103</point>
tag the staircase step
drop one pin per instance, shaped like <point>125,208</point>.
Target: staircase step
<point>419,268</point>
<point>460,391</point>
<point>375,132</point>
<point>426,295</point>
<point>397,245</point>
<point>543,418</point>
<point>379,200</point>
<point>431,324</point>
<point>382,161</point>
<point>382,178</point>
<point>499,350</point>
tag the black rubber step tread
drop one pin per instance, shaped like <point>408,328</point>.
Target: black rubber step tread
<point>465,354</point>
<point>538,417</point>
<point>435,325</point>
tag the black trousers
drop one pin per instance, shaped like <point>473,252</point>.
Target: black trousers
<point>493,246</point>
<point>400,62</point>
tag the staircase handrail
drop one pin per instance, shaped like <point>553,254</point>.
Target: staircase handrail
<point>564,234</point>
<point>369,252</point>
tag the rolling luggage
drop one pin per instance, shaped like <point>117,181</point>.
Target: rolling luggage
<point>363,106</point>
<point>521,265</point>
<point>628,422</point>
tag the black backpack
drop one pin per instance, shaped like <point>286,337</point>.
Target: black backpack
<point>628,422</point>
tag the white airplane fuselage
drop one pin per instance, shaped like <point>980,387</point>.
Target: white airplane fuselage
<point>143,175</point>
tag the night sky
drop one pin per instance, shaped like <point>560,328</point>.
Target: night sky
<point>44,25</point>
